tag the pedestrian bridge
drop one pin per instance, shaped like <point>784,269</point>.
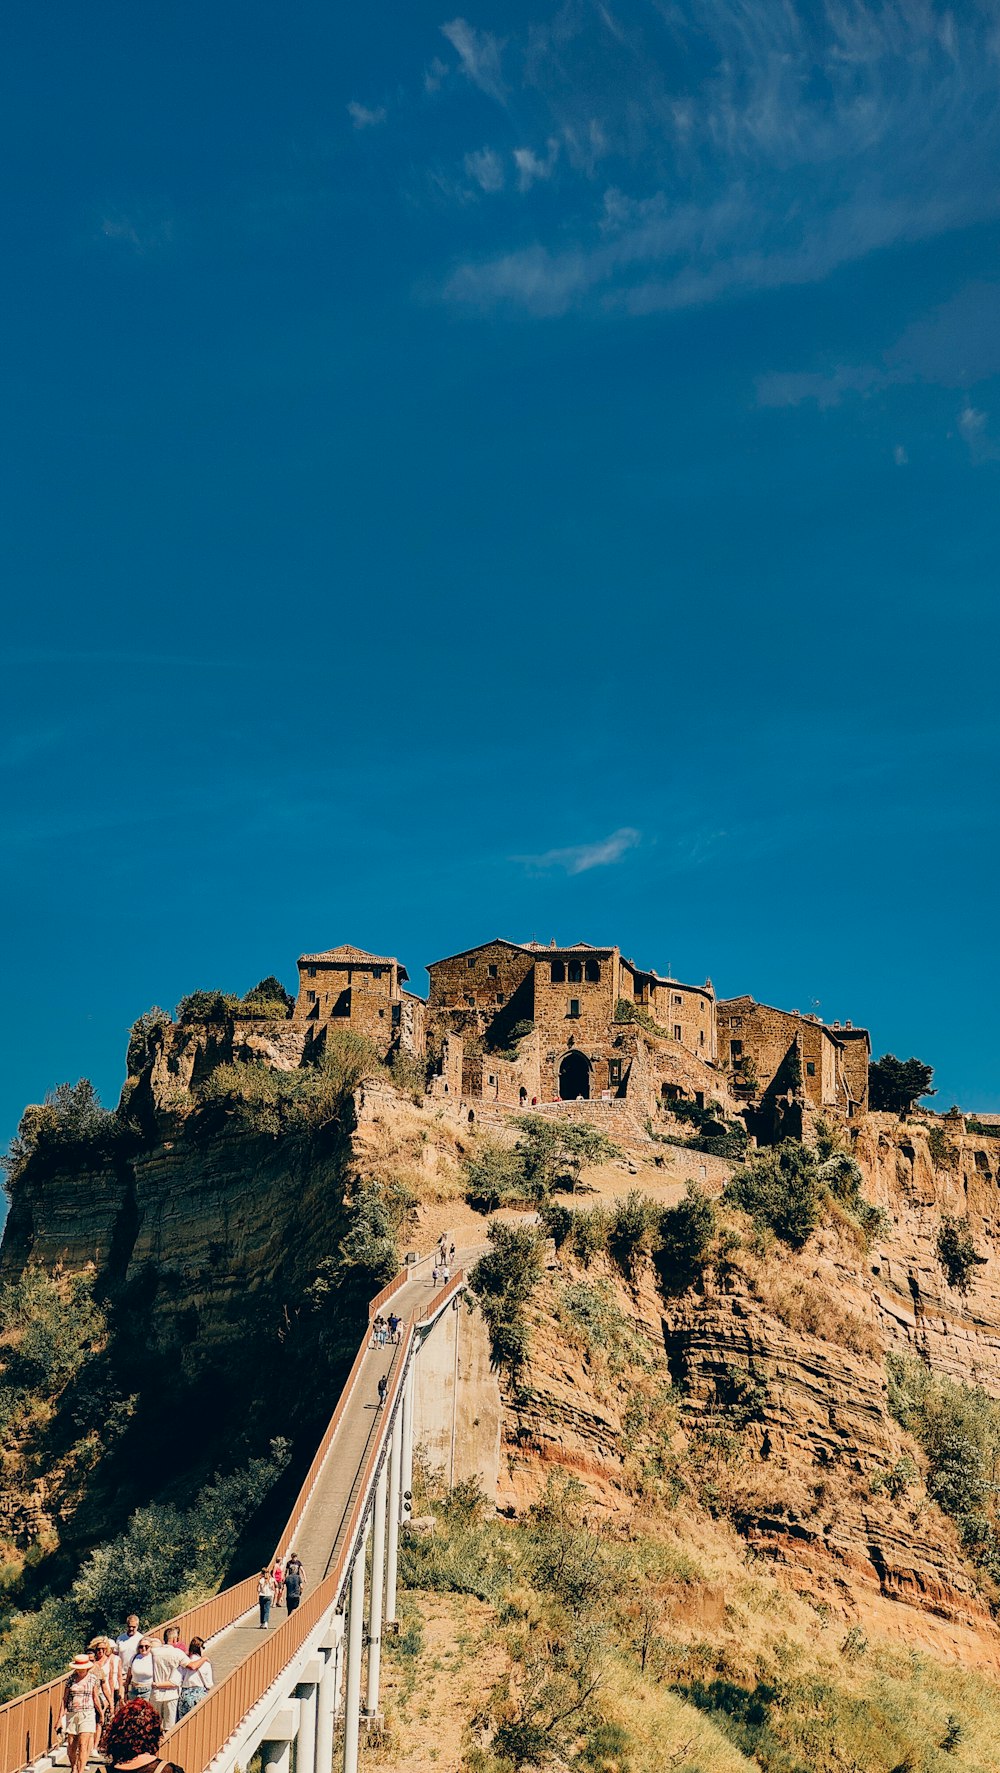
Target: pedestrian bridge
<point>292,1683</point>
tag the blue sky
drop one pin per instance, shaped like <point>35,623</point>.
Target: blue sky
<point>531,471</point>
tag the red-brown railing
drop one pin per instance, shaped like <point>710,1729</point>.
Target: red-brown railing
<point>197,1739</point>
<point>28,1723</point>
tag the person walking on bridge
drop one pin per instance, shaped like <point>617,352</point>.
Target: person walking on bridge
<point>83,1710</point>
<point>295,1581</point>
<point>383,1387</point>
<point>265,1595</point>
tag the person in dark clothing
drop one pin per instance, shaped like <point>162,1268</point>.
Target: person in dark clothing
<point>383,1387</point>
<point>295,1578</point>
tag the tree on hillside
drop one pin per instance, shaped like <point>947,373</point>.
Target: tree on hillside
<point>895,1084</point>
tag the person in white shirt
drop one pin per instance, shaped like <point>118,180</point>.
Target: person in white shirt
<point>168,1660</point>
<point>139,1680</point>
<point>128,1642</point>
<point>196,1678</point>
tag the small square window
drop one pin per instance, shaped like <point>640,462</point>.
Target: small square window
<point>614,1071</point>
<point>678,998</point>
<point>312,972</point>
<point>499,997</point>
<point>493,972</point>
<point>470,1000</point>
<point>381,1012</point>
<point>810,1068</point>
<point>491,1079</point>
<point>470,963</point>
<point>736,1049</point>
<point>574,1007</point>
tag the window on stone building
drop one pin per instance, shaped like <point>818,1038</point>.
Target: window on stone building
<point>592,970</point>
<point>574,1007</point>
<point>470,1000</point>
<point>397,1014</point>
<point>677,997</point>
<point>342,1005</point>
<point>312,972</point>
<point>310,997</point>
<point>736,1051</point>
<point>500,997</point>
<point>810,1068</point>
<point>491,1079</point>
<point>677,1031</point>
<point>471,961</point>
<point>701,1038</point>
<point>557,972</point>
<point>637,988</point>
<point>614,1071</point>
<point>575,972</point>
<point>493,972</point>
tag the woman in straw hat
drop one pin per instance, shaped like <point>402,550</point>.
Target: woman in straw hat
<point>83,1710</point>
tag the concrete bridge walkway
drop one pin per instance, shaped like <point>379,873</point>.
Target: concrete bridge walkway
<point>320,1537</point>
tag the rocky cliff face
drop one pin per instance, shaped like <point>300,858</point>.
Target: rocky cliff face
<point>775,1372</point>
<point>204,1237</point>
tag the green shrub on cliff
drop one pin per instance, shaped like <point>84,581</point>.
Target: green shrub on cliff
<point>957,1252</point>
<point>140,1039</point>
<point>71,1115</point>
<point>958,1427</point>
<point>780,1192</point>
<point>502,1281</point>
<point>549,1154</point>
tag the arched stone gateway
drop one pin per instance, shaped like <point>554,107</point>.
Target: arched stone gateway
<point>574,1077</point>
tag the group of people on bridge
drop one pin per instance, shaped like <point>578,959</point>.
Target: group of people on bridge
<point>107,1680</point>
<point>285,1582</point>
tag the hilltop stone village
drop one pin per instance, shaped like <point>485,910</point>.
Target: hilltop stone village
<point>520,1024</point>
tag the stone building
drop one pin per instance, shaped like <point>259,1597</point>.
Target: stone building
<point>347,987</point>
<point>773,1053</point>
<point>581,1002</point>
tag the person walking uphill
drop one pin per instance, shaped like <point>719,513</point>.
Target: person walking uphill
<point>265,1595</point>
<point>295,1581</point>
<point>168,1660</point>
<point>383,1387</point>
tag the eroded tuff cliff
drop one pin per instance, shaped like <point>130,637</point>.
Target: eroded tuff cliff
<point>762,1395</point>
<point>204,1228</point>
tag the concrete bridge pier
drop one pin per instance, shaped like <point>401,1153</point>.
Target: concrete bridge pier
<point>355,1651</point>
<point>377,1593</point>
<point>327,1697</point>
<point>392,1534</point>
<point>305,1735</point>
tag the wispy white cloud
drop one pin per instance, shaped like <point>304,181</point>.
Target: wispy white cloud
<point>142,233</point>
<point>974,431</point>
<point>486,168</point>
<point>955,346</point>
<point>900,456</point>
<point>363,118</point>
<point>531,167</point>
<point>479,56</point>
<point>579,858</point>
<point>803,137</point>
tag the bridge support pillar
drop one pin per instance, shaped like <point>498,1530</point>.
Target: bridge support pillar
<point>377,1589</point>
<point>355,1636</point>
<point>275,1757</point>
<point>326,1710</point>
<point>305,1736</point>
<point>392,1532</point>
